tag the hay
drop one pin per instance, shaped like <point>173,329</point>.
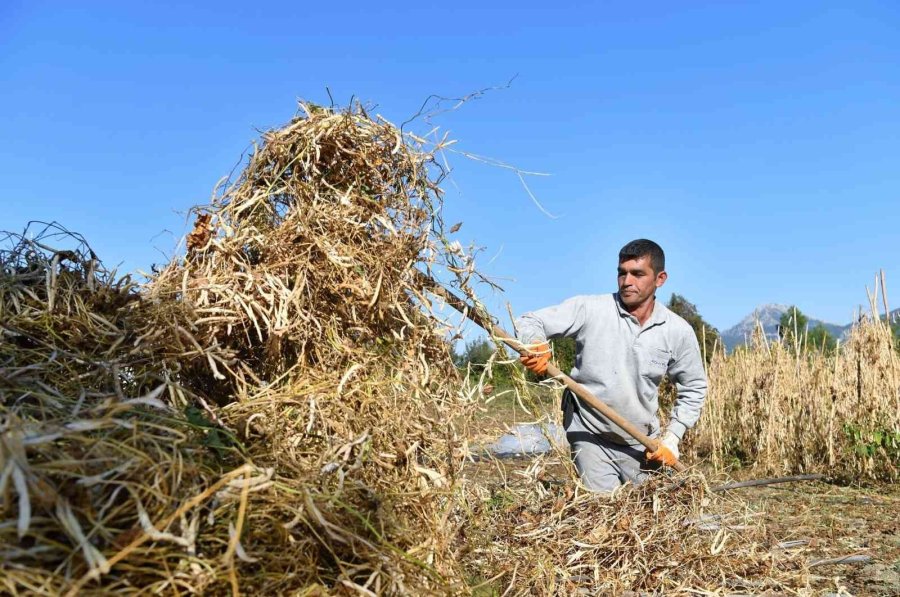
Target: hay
<point>663,537</point>
<point>288,339</point>
<point>277,411</point>
<point>329,367</point>
<point>91,452</point>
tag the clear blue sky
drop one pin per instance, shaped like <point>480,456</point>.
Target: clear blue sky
<point>757,142</point>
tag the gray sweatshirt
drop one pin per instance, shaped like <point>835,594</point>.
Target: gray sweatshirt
<point>622,363</point>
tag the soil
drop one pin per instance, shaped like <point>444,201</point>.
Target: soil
<point>839,521</point>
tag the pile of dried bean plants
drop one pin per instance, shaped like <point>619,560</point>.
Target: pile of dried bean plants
<point>277,411</point>
<point>667,536</point>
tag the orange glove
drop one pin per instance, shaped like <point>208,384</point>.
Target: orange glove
<point>666,450</point>
<point>537,358</point>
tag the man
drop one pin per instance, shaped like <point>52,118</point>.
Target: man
<point>625,343</point>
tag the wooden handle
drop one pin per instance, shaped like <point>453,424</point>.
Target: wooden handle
<point>486,322</point>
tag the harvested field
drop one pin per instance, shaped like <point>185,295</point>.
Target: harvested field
<point>276,412</point>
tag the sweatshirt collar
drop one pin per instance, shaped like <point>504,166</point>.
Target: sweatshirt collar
<point>658,316</point>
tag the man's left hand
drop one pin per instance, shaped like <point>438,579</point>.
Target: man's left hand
<point>666,450</point>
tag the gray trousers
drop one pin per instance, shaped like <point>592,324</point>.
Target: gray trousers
<point>602,465</point>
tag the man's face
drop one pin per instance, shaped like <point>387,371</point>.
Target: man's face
<point>637,281</point>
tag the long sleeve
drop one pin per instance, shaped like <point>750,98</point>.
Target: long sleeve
<point>689,375</point>
<point>563,320</point>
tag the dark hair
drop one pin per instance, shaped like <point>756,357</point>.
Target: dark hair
<point>642,248</point>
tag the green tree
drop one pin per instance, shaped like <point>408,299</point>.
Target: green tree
<point>793,321</point>
<point>475,356</point>
<point>707,335</point>
<point>792,325</point>
<point>819,338</point>
<point>476,352</point>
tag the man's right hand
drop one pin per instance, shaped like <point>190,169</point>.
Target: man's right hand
<point>537,358</point>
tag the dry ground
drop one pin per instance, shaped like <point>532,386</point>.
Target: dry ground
<point>835,520</point>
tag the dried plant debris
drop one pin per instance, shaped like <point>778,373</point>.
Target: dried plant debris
<point>277,410</point>
<point>92,449</point>
<point>667,536</point>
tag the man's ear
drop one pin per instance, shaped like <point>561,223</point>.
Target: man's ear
<point>661,278</point>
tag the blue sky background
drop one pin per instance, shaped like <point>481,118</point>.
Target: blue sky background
<point>758,143</point>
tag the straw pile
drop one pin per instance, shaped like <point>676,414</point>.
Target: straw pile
<point>273,411</point>
<point>321,357</point>
<point>90,451</point>
<point>277,412</point>
<point>788,410</point>
<point>662,537</point>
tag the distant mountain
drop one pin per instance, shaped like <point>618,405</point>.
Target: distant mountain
<point>769,316</point>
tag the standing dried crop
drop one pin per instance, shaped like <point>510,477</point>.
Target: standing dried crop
<point>790,410</point>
